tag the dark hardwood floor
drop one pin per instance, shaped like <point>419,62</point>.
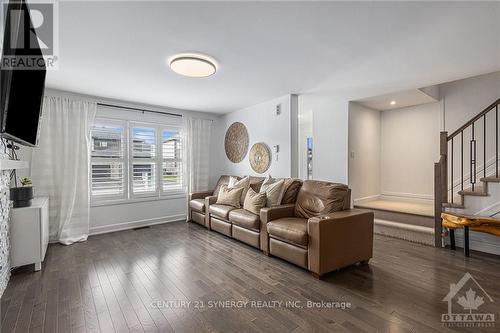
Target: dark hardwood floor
<point>168,278</point>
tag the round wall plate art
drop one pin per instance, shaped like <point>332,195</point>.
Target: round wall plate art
<point>236,142</point>
<point>260,157</point>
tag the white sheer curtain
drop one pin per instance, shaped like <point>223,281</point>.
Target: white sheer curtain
<point>60,166</point>
<point>197,133</point>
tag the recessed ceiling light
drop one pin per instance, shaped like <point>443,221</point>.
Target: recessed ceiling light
<point>393,102</point>
<point>193,65</point>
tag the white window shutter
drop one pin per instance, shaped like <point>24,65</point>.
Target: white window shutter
<point>172,177</point>
<point>107,161</point>
<point>143,166</point>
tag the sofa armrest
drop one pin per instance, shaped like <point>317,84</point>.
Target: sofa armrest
<point>273,213</point>
<point>193,196</point>
<point>199,195</point>
<point>339,239</point>
<point>269,214</point>
<point>210,200</point>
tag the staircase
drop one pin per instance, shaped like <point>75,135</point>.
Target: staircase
<point>468,169</point>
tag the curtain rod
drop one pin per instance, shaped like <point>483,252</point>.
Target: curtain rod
<point>137,109</point>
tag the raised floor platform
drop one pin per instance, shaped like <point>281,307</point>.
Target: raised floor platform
<point>415,208</point>
<point>412,221</point>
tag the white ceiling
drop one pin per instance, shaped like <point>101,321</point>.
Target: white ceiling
<point>401,98</point>
<point>268,49</point>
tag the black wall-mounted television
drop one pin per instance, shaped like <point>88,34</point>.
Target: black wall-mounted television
<point>22,85</point>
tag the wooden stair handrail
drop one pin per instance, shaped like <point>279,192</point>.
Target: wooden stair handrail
<point>473,120</point>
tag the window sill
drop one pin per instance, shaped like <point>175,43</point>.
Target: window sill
<point>169,196</point>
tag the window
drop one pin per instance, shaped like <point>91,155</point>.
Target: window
<point>171,159</point>
<point>108,161</point>
<point>132,160</point>
<point>143,160</point>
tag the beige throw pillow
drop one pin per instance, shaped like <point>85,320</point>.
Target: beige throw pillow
<point>229,196</point>
<point>274,189</point>
<point>254,201</point>
<point>242,183</point>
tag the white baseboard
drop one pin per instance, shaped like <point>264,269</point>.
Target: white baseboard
<point>365,199</point>
<point>413,197</point>
<point>135,224</point>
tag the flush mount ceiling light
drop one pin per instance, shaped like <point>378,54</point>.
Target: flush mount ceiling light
<point>193,65</point>
<point>393,102</point>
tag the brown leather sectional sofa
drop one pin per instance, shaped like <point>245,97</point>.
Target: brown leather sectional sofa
<point>241,224</point>
<point>313,228</point>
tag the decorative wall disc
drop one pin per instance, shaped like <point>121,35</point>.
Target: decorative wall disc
<point>260,157</point>
<point>236,142</point>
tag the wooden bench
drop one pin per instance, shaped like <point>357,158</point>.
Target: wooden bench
<point>454,221</point>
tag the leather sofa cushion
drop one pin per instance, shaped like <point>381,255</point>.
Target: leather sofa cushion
<point>245,219</point>
<point>274,189</point>
<point>243,183</point>
<point>289,229</point>
<point>254,201</point>
<point>229,196</point>
<point>220,211</point>
<point>198,205</point>
<point>223,180</point>
<point>292,187</point>
<point>256,183</point>
<point>318,198</point>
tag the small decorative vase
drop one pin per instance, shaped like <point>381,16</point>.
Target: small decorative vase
<point>21,196</point>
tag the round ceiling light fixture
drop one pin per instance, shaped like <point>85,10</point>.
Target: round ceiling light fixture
<point>193,65</point>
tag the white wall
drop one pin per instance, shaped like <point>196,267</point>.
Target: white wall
<point>305,131</point>
<point>218,156</point>
<point>329,128</point>
<point>463,99</point>
<point>409,149</point>
<point>364,151</point>
<point>107,218</point>
<point>263,125</point>
<point>330,131</point>
<point>392,153</point>
<point>123,216</point>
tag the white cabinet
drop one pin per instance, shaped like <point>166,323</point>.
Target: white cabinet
<point>29,233</point>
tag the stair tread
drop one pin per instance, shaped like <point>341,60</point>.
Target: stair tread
<point>490,179</point>
<point>479,191</point>
<point>453,205</point>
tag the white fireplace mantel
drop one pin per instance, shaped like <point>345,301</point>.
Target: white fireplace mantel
<point>6,164</point>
